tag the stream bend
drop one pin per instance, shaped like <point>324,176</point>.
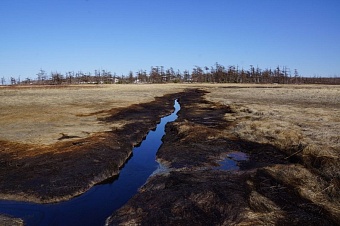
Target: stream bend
<point>94,206</point>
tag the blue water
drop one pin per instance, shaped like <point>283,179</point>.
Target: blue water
<point>230,162</point>
<point>93,207</point>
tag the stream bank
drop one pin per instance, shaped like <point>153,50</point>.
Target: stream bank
<point>94,206</point>
<point>71,167</point>
<point>194,192</point>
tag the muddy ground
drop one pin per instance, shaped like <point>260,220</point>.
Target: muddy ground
<point>194,192</point>
<point>56,172</point>
<point>270,187</point>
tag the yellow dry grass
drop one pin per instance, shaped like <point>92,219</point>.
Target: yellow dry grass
<point>10,221</point>
<point>304,122</point>
<point>284,116</point>
<point>289,117</point>
<point>309,186</point>
<point>40,115</point>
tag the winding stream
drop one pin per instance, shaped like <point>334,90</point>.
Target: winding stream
<point>93,207</point>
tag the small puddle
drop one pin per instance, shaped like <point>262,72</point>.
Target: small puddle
<point>238,156</point>
<point>230,162</point>
<point>94,206</point>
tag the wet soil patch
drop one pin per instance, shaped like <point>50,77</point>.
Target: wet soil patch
<point>65,169</point>
<point>194,192</point>
<point>260,155</point>
<point>94,206</point>
<point>297,210</point>
<point>59,175</point>
<point>185,198</point>
<point>196,140</point>
<point>198,110</point>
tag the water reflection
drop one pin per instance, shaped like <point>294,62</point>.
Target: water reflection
<point>93,207</point>
<point>230,162</point>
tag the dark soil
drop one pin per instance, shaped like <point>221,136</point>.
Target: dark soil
<point>69,168</point>
<point>193,192</point>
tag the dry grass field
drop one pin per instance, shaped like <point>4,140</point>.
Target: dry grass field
<point>293,118</point>
<point>304,122</point>
<point>47,134</point>
<point>301,124</point>
<point>291,135</point>
<point>39,115</point>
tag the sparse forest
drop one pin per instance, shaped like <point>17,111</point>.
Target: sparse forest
<point>158,74</point>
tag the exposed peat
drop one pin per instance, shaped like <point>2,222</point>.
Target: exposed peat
<point>194,192</point>
<point>60,171</point>
<point>93,207</point>
<point>274,186</point>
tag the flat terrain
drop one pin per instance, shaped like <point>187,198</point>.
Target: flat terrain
<point>290,135</point>
<point>39,115</point>
<point>71,138</point>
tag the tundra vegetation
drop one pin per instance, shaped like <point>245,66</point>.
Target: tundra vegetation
<point>290,134</point>
<point>303,123</point>
<point>58,141</point>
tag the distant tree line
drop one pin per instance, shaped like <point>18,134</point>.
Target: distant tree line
<point>158,74</point>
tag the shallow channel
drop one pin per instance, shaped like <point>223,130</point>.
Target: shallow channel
<point>93,207</point>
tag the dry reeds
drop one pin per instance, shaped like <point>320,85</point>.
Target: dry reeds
<point>309,186</point>
<point>302,122</point>
<point>39,114</point>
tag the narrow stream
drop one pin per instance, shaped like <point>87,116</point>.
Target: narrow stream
<point>93,207</point>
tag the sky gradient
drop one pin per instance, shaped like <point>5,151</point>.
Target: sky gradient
<point>124,35</point>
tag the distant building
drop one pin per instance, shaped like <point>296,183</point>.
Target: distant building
<point>115,80</point>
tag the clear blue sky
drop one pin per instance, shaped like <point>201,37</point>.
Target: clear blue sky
<point>123,35</point>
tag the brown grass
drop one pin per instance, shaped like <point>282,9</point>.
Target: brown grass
<point>70,138</point>
<point>303,122</point>
<point>10,221</point>
<point>293,118</point>
<point>310,186</point>
<point>284,180</point>
<point>41,115</point>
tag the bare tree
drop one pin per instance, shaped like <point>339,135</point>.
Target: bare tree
<point>13,81</point>
<point>57,78</point>
<point>155,76</point>
<point>186,76</point>
<point>296,76</point>
<point>197,74</point>
<point>158,74</point>
<point>27,81</point>
<point>41,77</point>
<point>179,76</point>
<point>130,78</point>
<point>142,76</point>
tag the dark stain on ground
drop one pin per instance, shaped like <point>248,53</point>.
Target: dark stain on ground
<point>298,211</point>
<point>185,198</point>
<point>63,170</point>
<point>191,193</point>
<point>194,193</point>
